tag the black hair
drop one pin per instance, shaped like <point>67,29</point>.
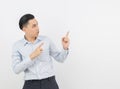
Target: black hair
<point>24,20</point>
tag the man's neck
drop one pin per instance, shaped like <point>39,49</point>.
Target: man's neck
<point>30,39</point>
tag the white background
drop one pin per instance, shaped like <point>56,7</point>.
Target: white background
<point>94,25</point>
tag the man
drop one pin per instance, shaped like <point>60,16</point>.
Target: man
<point>32,55</point>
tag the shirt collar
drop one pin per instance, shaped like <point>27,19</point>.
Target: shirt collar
<point>27,42</point>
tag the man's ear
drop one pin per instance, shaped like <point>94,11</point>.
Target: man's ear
<point>24,29</point>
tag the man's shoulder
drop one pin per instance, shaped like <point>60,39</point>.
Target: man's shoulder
<point>18,43</point>
<point>42,37</point>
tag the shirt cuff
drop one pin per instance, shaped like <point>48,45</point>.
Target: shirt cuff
<point>66,50</point>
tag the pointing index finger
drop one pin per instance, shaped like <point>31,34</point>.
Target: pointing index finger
<point>67,34</point>
<point>41,45</point>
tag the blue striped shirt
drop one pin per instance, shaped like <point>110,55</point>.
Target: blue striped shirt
<point>42,66</point>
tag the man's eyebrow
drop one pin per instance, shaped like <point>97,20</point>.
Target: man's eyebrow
<point>35,23</point>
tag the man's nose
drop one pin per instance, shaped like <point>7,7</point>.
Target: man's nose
<point>37,30</point>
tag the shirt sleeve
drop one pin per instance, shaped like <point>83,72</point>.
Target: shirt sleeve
<point>58,55</point>
<point>19,65</point>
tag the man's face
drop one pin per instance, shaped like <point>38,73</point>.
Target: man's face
<point>31,29</point>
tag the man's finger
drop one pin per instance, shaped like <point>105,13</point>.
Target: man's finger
<point>41,49</point>
<point>67,34</point>
<point>65,39</point>
<point>41,45</point>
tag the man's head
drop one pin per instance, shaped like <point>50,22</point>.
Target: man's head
<point>29,25</point>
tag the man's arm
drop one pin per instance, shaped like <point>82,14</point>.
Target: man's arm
<point>18,64</point>
<point>60,56</point>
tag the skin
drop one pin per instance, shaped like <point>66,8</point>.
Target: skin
<point>31,31</point>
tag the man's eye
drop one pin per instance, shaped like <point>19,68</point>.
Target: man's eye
<point>34,25</point>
